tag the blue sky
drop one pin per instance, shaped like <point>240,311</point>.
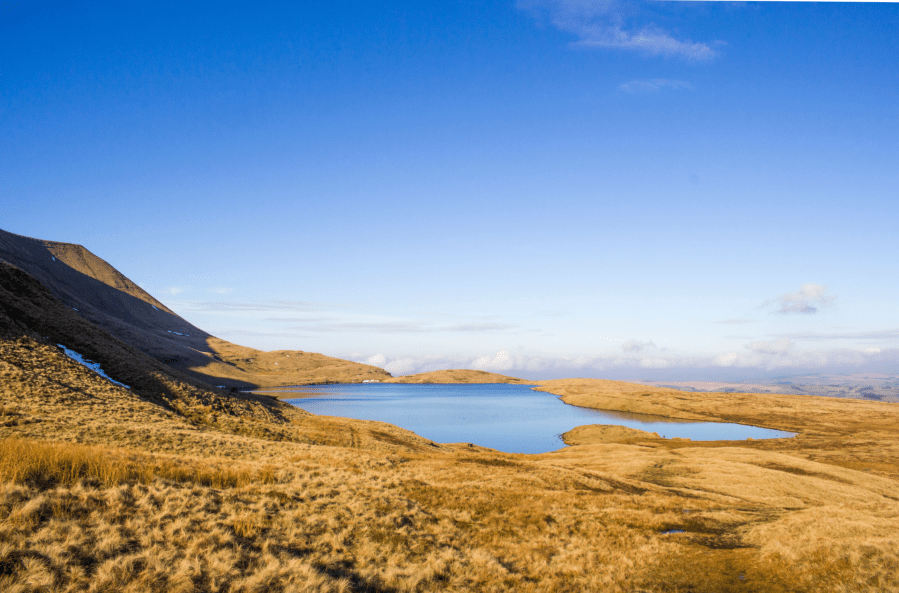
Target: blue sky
<point>545,188</point>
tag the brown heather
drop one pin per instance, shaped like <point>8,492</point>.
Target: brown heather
<point>175,486</point>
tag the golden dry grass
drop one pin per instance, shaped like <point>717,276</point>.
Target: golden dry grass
<point>251,368</point>
<point>457,376</point>
<point>172,486</point>
<point>854,434</point>
<point>333,504</point>
<point>333,519</point>
<point>44,465</point>
<point>602,433</point>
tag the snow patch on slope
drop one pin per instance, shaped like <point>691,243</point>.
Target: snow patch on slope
<point>90,364</point>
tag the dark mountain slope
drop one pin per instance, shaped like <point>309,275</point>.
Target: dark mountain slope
<point>102,295</point>
<point>33,323</point>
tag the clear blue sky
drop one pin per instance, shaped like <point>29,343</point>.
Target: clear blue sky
<point>545,188</point>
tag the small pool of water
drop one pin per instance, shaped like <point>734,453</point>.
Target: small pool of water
<point>510,418</point>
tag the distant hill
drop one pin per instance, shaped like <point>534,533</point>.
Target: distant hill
<point>103,296</point>
<point>458,376</point>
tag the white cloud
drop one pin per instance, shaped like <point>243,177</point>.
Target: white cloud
<point>782,354</point>
<point>884,334</point>
<point>757,358</point>
<point>727,359</point>
<point>808,299</point>
<point>655,363</point>
<point>355,326</point>
<point>477,327</point>
<point>173,290</point>
<point>378,360</point>
<point>636,345</point>
<point>776,347</point>
<point>366,324</point>
<point>602,24</point>
<point>637,87</point>
<point>501,362</point>
<point>649,40</point>
<point>258,307</point>
<point>304,317</point>
<point>398,368</point>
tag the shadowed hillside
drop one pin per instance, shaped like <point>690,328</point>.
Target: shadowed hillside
<point>44,392</point>
<point>102,295</point>
<point>34,325</point>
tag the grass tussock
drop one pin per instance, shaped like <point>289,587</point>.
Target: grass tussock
<point>45,465</point>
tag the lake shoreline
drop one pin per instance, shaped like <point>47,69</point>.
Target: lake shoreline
<point>513,418</point>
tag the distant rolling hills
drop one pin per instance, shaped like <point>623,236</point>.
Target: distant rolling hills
<point>108,301</point>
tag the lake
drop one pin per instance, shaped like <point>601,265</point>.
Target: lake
<point>510,418</point>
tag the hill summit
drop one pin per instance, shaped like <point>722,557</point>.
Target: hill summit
<point>107,299</point>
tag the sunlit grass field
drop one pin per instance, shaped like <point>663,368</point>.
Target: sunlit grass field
<point>103,491</point>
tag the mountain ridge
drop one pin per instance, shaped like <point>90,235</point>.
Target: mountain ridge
<point>102,295</point>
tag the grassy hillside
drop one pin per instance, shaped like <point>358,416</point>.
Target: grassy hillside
<point>33,325</point>
<point>457,376</point>
<point>175,486</point>
<point>102,295</point>
<point>453,376</point>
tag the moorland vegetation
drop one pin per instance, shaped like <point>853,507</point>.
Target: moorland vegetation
<point>173,484</point>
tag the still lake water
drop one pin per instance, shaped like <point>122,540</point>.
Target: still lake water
<point>510,418</point>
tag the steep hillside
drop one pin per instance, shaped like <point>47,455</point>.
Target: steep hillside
<point>36,329</point>
<point>44,392</point>
<point>102,295</point>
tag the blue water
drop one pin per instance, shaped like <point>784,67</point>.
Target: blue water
<point>510,418</point>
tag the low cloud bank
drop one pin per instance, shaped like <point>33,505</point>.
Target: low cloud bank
<point>757,359</point>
